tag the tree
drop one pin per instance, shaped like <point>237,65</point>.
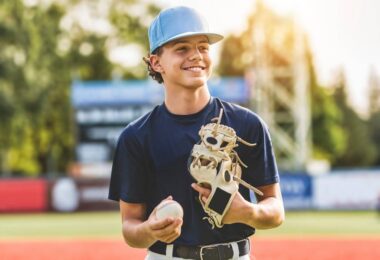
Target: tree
<point>329,137</point>
<point>374,111</point>
<point>37,88</point>
<point>43,47</point>
<point>360,150</point>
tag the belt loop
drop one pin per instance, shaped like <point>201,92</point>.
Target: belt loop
<point>235,249</point>
<point>169,251</point>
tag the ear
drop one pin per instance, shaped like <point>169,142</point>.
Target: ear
<point>155,63</point>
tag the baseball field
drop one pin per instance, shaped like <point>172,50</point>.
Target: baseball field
<point>96,235</point>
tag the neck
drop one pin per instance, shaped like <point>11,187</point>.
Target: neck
<point>187,101</point>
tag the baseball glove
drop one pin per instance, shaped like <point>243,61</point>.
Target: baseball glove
<point>215,164</point>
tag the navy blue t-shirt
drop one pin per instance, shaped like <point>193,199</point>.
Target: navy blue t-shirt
<point>150,163</point>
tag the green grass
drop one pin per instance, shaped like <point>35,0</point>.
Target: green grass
<point>56,225</point>
<point>330,223</point>
<point>108,225</point>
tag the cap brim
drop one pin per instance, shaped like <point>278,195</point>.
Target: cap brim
<point>212,37</point>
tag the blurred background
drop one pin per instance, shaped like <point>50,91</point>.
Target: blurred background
<point>72,77</point>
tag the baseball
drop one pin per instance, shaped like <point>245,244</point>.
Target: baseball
<point>169,208</point>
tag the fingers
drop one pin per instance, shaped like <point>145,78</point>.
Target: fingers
<point>165,230</point>
<point>168,232</point>
<point>203,192</point>
<point>175,233</point>
<point>160,224</point>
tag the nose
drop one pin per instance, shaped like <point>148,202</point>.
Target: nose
<point>196,54</point>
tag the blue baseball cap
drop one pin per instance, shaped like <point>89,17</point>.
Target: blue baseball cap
<point>178,22</point>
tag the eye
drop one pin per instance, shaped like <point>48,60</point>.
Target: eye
<point>182,49</point>
<point>203,48</point>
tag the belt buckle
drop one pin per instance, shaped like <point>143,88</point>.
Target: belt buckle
<point>211,247</point>
<point>201,251</point>
<point>205,247</point>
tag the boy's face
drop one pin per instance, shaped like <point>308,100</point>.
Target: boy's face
<point>184,62</point>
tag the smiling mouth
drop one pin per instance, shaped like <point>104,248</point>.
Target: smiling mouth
<point>195,68</point>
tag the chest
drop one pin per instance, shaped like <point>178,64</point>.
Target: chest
<point>170,149</point>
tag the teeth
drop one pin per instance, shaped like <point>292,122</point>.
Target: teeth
<point>194,68</point>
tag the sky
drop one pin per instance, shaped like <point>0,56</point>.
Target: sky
<point>342,33</point>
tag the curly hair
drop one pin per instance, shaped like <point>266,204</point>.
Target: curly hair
<point>151,72</point>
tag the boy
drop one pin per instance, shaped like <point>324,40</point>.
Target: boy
<point>150,162</point>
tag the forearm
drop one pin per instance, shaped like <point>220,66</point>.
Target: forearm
<point>136,234</point>
<point>268,213</point>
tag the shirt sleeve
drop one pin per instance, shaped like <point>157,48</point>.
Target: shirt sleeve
<point>260,159</point>
<point>128,176</point>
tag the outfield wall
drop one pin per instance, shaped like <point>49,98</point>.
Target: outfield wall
<point>64,195</point>
<point>297,191</point>
<point>69,194</point>
<point>23,195</point>
<point>338,190</point>
<point>354,190</point>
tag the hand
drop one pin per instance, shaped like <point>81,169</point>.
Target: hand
<point>166,230</point>
<point>204,193</point>
<point>233,214</point>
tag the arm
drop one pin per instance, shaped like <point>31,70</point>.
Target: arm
<point>141,232</point>
<point>267,213</point>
